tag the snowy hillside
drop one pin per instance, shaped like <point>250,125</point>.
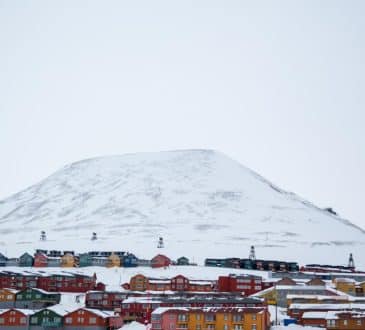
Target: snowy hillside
<point>203,203</point>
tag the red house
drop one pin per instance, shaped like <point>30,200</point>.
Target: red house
<point>160,261</point>
<point>246,284</point>
<point>40,260</point>
<point>105,300</point>
<point>67,282</point>
<point>92,318</point>
<point>17,318</point>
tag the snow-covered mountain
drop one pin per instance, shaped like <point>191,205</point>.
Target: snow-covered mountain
<point>201,202</point>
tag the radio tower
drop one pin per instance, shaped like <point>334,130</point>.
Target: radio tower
<point>351,261</point>
<point>252,253</point>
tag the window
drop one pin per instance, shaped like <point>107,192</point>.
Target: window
<point>1,320</point>
<point>182,318</point>
<point>209,317</point>
<point>92,320</point>
<point>198,317</point>
<point>183,326</point>
<point>225,317</point>
<point>253,327</point>
<point>34,320</point>
<point>198,327</point>
<point>38,296</point>
<point>237,317</point>
<point>331,323</point>
<point>225,327</point>
<point>345,322</point>
<point>239,327</point>
<point>253,317</point>
<point>211,327</point>
<point>358,322</point>
<point>80,320</point>
<point>68,320</point>
<point>23,320</point>
<point>9,297</point>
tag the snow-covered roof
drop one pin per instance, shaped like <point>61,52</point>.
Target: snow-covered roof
<point>314,315</point>
<point>327,306</point>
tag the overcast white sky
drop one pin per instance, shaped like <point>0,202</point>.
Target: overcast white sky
<point>276,85</point>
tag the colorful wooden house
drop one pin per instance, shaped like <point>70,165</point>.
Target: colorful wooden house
<point>92,319</point>
<point>160,261</point>
<point>36,299</point>
<point>346,285</point>
<point>26,260</point>
<point>129,260</point>
<point>15,319</point>
<point>48,318</point>
<point>113,261</point>
<point>139,282</point>
<point>85,260</point>
<point>7,298</point>
<point>68,260</point>
<point>111,300</point>
<point>40,259</point>
<point>67,282</point>
<point>211,318</point>
<point>183,261</point>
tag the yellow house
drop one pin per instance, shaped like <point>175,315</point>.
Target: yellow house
<point>240,318</point>
<point>270,295</point>
<point>113,261</point>
<point>68,260</point>
<point>7,297</point>
<point>346,285</point>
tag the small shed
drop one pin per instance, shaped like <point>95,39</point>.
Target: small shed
<point>85,260</point>
<point>160,261</point>
<point>183,261</point>
<point>26,260</point>
<point>113,260</point>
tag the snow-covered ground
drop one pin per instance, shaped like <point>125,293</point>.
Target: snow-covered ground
<point>201,202</point>
<point>115,277</point>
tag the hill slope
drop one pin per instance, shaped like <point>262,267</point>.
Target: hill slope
<point>202,202</point>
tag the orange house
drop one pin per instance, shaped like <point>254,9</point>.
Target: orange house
<point>139,282</point>
<point>92,318</point>
<point>7,298</point>
<point>68,260</point>
<point>240,318</point>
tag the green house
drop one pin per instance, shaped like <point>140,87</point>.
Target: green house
<point>26,260</point>
<point>48,318</point>
<point>36,299</point>
<point>85,260</point>
<point>182,261</point>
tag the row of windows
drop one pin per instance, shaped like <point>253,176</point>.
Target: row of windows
<point>345,322</point>
<point>22,320</point>
<point>212,317</point>
<point>92,320</point>
<point>207,327</point>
